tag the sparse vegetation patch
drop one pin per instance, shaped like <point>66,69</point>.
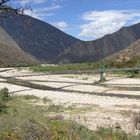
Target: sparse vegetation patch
<point>25,120</point>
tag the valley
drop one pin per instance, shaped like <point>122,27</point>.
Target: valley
<point>113,103</point>
<point>69,77</point>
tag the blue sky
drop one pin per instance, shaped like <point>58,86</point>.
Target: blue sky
<point>86,19</point>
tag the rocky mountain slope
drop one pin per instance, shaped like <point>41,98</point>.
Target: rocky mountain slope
<point>34,37</point>
<point>101,48</point>
<point>132,52</point>
<point>11,54</point>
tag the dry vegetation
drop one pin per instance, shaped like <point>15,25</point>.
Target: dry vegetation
<point>24,119</point>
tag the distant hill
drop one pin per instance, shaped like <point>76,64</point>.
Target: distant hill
<point>130,53</point>
<point>36,38</point>
<point>91,51</point>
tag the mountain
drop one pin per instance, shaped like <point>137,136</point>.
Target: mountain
<point>130,53</point>
<point>11,54</point>
<point>31,38</point>
<point>25,40</point>
<point>98,49</point>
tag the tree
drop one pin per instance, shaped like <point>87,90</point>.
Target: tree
<point>5,8</point>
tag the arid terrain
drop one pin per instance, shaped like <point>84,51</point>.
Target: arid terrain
<point>112,103</point>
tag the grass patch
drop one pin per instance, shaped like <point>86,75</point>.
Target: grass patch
<point>129,74</point>
<point>46,100</point>
<point>26,121</point>
<point>30,97</point>
<point>87,66</point>
<point>65,67</point>
<point>73,109</point>
<point>55,108</point>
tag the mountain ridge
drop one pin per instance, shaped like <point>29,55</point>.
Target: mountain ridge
<point>39,42</point>
<point>98,49</point>
<point>36,38</point>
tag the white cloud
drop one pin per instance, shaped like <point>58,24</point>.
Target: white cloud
<point>62,25</point>
<point>100,23</point>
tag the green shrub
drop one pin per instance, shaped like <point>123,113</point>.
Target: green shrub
<point>4,97</point>
<point>4,94</point>
<point>3,107</point>
<point>131,75</point>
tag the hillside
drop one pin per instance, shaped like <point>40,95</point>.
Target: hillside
<point>34,37</point>
<point>11,54</point>
<point>95,50</point>
<point>132,52</point>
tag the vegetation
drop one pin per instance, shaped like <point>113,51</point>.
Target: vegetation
<point>26,118</point>
<point>4,98</point>
<point>85,66</point>
<point>29,97</point>
<point>65,67</point>
<point>129,74</point>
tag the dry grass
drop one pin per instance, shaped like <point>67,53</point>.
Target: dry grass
<point>136,121</point>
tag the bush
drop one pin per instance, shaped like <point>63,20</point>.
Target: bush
<point>4,97</point>
<point>3,107</point>
<point>131,75</point>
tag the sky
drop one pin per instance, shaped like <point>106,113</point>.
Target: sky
<point>85,19</point>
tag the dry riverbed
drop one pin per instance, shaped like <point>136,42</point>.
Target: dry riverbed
<point>112,103</point>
